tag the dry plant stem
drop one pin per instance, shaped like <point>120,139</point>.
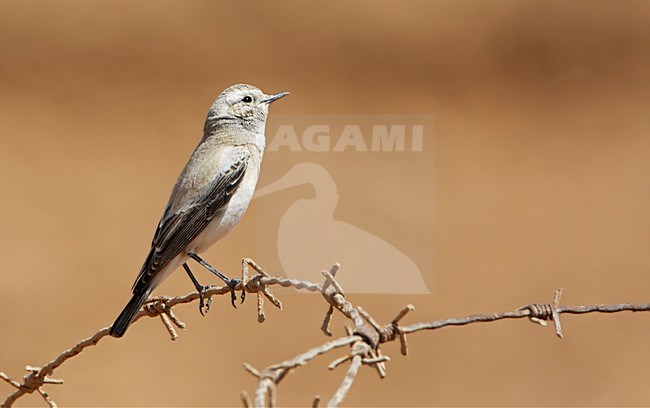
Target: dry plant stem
<point>333,294</point>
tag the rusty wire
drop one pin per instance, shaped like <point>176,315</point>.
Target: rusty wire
<point>363,339</point>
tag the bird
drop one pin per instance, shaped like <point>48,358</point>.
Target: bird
<point>210,196</point>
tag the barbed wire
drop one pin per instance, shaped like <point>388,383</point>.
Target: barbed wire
<point>364,338</point>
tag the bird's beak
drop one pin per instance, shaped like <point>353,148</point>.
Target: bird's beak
<point>275,97</point>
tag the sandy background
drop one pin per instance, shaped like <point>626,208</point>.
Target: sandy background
<point>539,179</point>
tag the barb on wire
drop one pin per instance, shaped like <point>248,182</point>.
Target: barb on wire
<point>155,307</point>
<point>364,338</point>
<point>366,349</point>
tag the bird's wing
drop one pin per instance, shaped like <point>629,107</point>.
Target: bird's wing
<point>179,229</point>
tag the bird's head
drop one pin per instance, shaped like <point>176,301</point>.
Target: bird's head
<point>244,102</point>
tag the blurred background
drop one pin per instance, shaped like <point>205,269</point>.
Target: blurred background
<point>538,178</point>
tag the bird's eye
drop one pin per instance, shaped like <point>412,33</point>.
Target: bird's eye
<point>247,99</point>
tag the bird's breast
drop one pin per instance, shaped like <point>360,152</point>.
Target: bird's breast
<point>226,219</point>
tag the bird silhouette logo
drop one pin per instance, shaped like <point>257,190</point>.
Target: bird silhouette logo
<point>309,237</point>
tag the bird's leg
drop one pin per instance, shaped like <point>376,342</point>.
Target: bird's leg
<point>201,289</point>
<point>232,283</point>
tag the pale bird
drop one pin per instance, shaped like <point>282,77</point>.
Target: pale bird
<point>210,195</point>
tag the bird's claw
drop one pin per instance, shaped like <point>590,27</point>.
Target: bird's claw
<point>202,302</point>
<point>232,284</point>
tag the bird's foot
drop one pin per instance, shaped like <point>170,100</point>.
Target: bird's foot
<point>232,284</point>
<point>202,302</point>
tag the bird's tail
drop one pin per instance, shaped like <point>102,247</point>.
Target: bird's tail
<point>128,314</point>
